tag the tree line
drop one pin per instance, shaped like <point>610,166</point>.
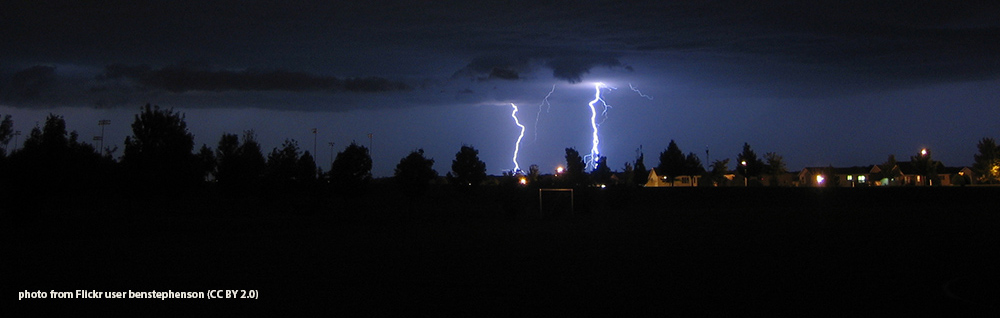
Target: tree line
<point>160,156</point>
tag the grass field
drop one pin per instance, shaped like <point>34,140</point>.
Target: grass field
<point>717,251</point>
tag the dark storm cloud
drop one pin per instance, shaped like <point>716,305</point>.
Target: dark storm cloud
<point>494,67</point>
<point>570,67</point>
<point>122,85</point>
<point>182,78</point>
<point>826,44</point>
<point>30,84</point>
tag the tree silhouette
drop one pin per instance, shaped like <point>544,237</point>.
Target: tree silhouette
<point>533,173</point>
<point>748,164</point>
<point>775,167</point>
<point>575,174</point>
<point>672,162</point>
<point>226,158</point>
<point>240,166</point>
<point>888,171</point>
<point>719,170</point>
<point>987,161</point>
<point>629,174</point>
<point>926,167</point>
<point>467,169</point>
<point>6,133</point>
<point>602,174</point>
<point>692,165</point>
<point>305,169</point>
<point>281,164</point>
<point>352,169</point>
<point>414,172</point>
<point>55,161</point>
<point>641,174</point>
<point>207,161</point>
<point>159,152</point>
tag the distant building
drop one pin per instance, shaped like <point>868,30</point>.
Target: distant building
<point>655,180</point>
<point>903,174</point>
<point>835,177</point>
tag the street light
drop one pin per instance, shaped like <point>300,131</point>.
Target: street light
<point>745,177</point>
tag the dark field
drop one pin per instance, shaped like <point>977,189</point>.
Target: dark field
<point>717,251</point>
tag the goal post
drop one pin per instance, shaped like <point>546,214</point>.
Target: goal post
<point>555,201</point>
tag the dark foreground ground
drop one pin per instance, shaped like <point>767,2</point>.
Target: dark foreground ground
<point>806,252</point>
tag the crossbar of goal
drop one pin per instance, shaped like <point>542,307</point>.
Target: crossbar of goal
<point>541,201</point>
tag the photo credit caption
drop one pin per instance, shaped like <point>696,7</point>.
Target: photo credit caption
<point>130,294</point>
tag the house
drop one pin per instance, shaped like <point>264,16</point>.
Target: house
<point>836,177</point>
<point>655,180</point>
<point>904,173</point>
<point>950,176</point>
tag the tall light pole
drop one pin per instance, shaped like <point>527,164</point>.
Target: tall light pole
<point>331,153</point>
<point>102,123</point>
<point>16,133</point>
<point>314,142</point>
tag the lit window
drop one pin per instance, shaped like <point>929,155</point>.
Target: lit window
<point>850,178</point>
<point>861,179</point>
<point>819,179</point>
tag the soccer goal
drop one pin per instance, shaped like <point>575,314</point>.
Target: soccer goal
<point>555,202</point>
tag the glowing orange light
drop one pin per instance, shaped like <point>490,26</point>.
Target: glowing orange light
<point>559,170</point>
<point>524,181</point>
<point>923,152</point>
<point>819,179</point>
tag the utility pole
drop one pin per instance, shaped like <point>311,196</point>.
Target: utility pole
<point>314,142</point>
<point>331,153</point>
<point>102,123</point>
<point>708,160</point>
<point>16,133</point>
<point>370,143</point>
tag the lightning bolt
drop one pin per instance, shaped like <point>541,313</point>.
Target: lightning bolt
<point>635,89</point>
<point>517,145</point>
<point>595,153</point>
<point>545,102</point>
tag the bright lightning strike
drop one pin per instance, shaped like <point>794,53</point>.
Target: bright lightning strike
<point>595,153</point>
<point>517,145</point>
<point>634,89</point>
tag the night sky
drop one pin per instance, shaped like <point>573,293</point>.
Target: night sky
<point>821,83</point>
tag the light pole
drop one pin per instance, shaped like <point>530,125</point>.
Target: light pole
<point>745,177</point>
<point>314,142</point>
<point>370,144</point>
<point>102,123</point>
<point>331,153</point>
<point>16,133</point>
